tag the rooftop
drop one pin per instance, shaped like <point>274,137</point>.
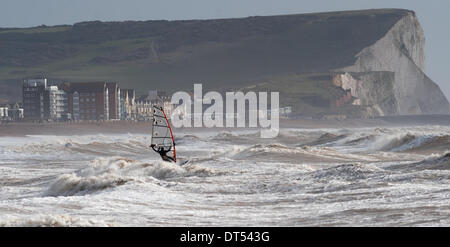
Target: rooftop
<point>82,87</point>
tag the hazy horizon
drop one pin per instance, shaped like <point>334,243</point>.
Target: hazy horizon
<point>433,17</point>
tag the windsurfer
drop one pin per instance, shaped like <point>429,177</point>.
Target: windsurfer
<point>163,152</point>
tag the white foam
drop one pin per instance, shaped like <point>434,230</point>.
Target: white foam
<point>54,221</point>
<point>105,173</point>
<point>221,186</point>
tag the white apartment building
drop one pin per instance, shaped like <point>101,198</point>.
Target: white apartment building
<point>58,103</point>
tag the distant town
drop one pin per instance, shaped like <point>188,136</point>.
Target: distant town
<point>82,101</point>
<point>87,101</point>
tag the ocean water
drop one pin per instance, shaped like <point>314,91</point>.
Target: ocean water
<point>304,177</point>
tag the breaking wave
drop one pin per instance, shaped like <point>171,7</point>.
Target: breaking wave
<point>55,221</point>
<point>347,172</point>
<point>392,141</point>
<point>326,138</point>
<point>106,173</point>
<point>431,163</point>
<point>186,139</point>
<point>405,142</point>
<point>312,153</point>
<point>87,145</point>
<point>235,136</point>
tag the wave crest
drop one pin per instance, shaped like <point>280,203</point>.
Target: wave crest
<point>55,221</point>
<point>347,172</point>
<point>106,173</point>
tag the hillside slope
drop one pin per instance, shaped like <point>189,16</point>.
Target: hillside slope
<point>230,53</point>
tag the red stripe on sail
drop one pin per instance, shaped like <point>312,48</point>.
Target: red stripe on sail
<point>171,135</point>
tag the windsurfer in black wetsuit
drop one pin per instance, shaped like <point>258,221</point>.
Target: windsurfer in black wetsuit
<point>163,152</point>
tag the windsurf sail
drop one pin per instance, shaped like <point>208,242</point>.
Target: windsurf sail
<point>162,135</point>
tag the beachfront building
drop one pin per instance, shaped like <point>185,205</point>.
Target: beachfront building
<point>88,100</point>
<point>144,110</point>
<point>58,104</point>
<point>15,112</point>
<point>113,100</point>
<point>285,112</point>
<point>42,102</point>
<point>145,103</point>
<point>12,112</point>
<point>159,98</point>
<point>4,112</point>
<point>34,105</point>
<point>152,97</point>
<point>118,105</point>
<point>168,108</point>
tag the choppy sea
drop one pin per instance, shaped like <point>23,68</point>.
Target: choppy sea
<point>305,177</point>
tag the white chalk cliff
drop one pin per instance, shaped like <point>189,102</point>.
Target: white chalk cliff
<point>389,75</point>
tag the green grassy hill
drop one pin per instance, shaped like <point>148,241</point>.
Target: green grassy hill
<point>172,55</point>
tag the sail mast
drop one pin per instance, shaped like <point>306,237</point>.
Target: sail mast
<point>171,135</point>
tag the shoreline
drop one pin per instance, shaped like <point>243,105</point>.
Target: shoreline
<point>21,129</point>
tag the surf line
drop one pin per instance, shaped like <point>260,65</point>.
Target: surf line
<point>213,116</point>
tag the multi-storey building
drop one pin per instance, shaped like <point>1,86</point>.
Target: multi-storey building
<point>144,105</point>
<point>143,109</point>
<point>114,100</point>
<point>168,108</point>
<point>35,105</point>
<point>3,112</point>
<point>15,112</point>
<point>58,103</point>
<point>88,101</point>
<point>118,105</point>
<point>157,97</point>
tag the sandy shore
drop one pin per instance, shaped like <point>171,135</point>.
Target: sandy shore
<point>63,128</point>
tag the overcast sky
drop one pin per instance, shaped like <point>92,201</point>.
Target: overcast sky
<point>433,15</point>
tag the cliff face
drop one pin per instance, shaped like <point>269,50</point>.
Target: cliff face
<point>372,90</point>
<point>401,52</point>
